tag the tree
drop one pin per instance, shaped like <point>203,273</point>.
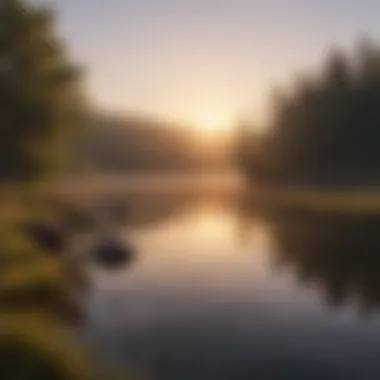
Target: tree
<point>40,100</point>
<point>326,130</point>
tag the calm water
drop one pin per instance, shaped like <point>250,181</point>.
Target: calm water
<point>220,294</point>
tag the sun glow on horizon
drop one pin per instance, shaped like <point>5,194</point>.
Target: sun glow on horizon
<point>212,122</point>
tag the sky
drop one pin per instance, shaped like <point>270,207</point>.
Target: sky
<point>204,61</point>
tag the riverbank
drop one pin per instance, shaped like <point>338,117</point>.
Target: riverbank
<point>358,201</point>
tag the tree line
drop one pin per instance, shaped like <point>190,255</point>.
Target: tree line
<point>325,129</point>
<point>127,144</point>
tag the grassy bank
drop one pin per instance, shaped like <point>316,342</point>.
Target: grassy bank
<point>34,340</point>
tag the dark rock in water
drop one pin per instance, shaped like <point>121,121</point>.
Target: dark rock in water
<point>46,236</point>
<point>113,254</point>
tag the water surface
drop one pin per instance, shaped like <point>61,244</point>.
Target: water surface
<point>215,294</point>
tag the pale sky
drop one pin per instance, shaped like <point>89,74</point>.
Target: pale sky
<point>193,59</point>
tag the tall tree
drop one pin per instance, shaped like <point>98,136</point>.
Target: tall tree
<point>40,100</point>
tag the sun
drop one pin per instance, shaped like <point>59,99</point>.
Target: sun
<point>212,122</point>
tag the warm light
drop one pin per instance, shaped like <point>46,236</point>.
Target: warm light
<point>212,122</point>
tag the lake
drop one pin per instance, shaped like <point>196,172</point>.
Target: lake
<point>222,292</point>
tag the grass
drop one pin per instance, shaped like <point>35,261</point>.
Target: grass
<point>34,344</point>
<point>31,349</point>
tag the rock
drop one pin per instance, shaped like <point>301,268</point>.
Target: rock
<point>112,253</point>
<point>46,236</point>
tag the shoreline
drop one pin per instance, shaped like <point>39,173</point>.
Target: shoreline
<point>350,200</point>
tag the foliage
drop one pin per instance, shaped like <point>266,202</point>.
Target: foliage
<point>32,349</point>
<point>33,343</point>
<point>326,130</point>
<point>40,100</point>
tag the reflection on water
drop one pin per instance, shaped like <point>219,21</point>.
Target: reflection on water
<point>215,297</point>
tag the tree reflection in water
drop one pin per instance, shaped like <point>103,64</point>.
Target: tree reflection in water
<point>340,254</point>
